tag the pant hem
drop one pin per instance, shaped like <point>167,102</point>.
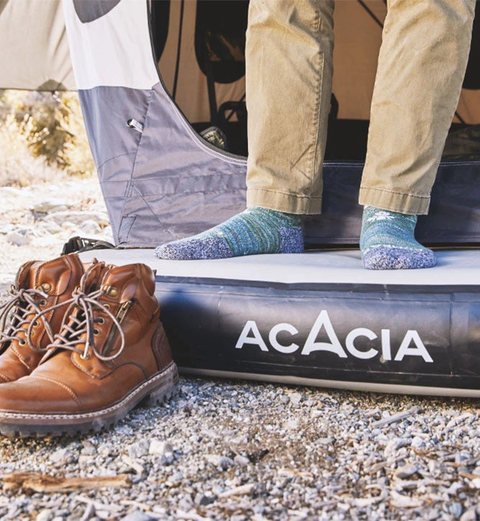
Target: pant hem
<point>408,204</point>
<point>284,202</point>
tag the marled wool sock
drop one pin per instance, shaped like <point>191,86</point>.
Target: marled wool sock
<point>256,230</point>
<point>388,242</point>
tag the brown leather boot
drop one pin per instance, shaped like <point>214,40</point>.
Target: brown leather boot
<point>111,354</point>
<point>38,286</point>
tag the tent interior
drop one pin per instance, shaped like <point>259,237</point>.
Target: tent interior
<point>200,49</point>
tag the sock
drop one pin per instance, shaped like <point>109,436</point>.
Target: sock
<point>388,242</point>
<point>256,230</point>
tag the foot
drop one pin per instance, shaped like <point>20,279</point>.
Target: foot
<point>254,231</point>
<point>388,242</point>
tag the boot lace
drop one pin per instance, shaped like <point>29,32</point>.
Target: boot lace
<point>22,303</point>
<point>79,319</point>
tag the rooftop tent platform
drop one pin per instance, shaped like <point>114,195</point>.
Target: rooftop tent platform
<point>320,319</point>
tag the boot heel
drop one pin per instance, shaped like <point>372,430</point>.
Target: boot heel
<point>163,393</point>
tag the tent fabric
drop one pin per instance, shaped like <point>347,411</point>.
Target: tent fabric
<point>40,61</point>
<point>166,182</point>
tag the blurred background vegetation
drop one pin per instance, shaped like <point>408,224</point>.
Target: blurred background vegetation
<point>42,138</point>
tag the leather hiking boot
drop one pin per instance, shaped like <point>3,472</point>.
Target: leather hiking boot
<point>38,287</point>
<point>110,354</point>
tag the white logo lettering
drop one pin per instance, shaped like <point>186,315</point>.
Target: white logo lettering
<point>334,346</point>
<point>257,339</point>
<point>273,338</point>
<point>419,350</point>
<point>411,345</point>
<point>349,343</point>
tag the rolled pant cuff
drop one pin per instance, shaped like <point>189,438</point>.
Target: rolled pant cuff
<point>394,201</point>
<point>283,202</point>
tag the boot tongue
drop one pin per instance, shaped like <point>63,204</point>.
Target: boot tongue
<point>94,274</point>
<point>26,274</point>
<point>54,277</point>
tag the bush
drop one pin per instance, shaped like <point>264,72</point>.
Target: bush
<point>41,130</point>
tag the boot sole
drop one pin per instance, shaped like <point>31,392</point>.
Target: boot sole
<point>155,390</point>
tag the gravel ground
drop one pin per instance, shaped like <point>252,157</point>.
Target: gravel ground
<point>233,450</point>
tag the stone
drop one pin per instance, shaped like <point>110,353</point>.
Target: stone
<point>221,462</point>
<point>241,460</point>
<point>53,205</point>
<point>45,515</point>
<point>59,456</point>
<point>406,471</point>
<point>18,239</point>
<point>90,227</point>
<point>137,515</point>
<point>78,217</point>
<point>139,449</point>
<point>295,398</point>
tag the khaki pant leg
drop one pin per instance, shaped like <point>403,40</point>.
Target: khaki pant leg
<point>421,67</point>
<point>288,81</point>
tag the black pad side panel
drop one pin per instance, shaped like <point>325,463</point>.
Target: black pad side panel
<point>414,336</point>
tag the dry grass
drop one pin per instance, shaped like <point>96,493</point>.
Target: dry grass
<point>42,137</point>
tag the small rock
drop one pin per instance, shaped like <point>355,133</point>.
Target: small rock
<point>90,227</point>
<point>139,449</point>
<point>203,500</point>
<point>137,515</point>
<point>471,515</point>
<point>241,460</point>
<point>59,456</point>
<point>49,206</point>
<point>295,398</point>
<point>160,448</point>
<point>18,239</point>
<point>45,515</point>
<point>221,462</point>
<point>78,218</point>
<point>406,471</point>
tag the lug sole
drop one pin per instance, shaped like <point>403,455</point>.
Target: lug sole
<point>157,389</point>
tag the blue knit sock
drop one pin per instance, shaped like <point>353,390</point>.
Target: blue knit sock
<point>388,242</point>
<point>256,230</point>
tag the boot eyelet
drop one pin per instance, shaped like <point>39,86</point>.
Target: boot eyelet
<point>36,323</point>
<point>107,306</point>
<point>46,287</point>
<point>84,357</point>
<point>43,302</point>
<point>96,332</point>
<point>101,320</point>
<point>22,342</point>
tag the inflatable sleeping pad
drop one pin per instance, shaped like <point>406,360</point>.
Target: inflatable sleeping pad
<point>320,319</point>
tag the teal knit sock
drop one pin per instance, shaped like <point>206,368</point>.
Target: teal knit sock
<point>388,242</point>
<point>256,230</point>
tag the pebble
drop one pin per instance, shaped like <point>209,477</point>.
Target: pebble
<point>45,515</point>
<point>406,471</point>
<point>137,515</point>
<point>295,398</point>
<point>139,449</point>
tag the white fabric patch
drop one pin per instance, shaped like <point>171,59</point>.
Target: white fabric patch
<point>113,51</point>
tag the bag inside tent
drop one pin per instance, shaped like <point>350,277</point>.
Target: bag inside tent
<point>170,143</point>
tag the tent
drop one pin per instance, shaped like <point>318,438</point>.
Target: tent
<point>152,77</point>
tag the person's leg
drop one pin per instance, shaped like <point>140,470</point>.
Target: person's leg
<point>289,58</point>
<point>421,67</point>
